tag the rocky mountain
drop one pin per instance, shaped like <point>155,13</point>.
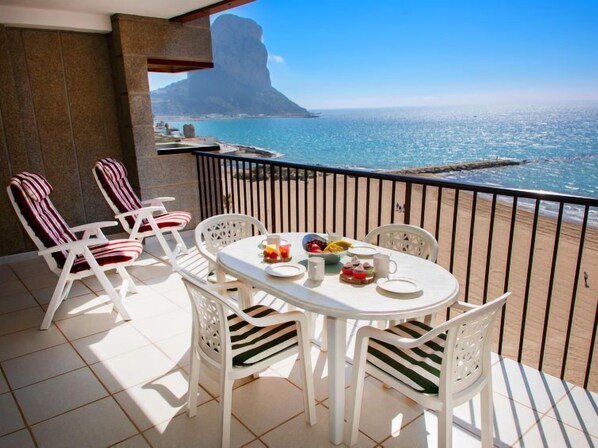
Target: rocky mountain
<point>239,83</point>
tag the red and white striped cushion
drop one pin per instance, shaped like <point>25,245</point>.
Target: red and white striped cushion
<point>177,220</point>
<point>113,169</point>
<point>112,252</point>
<point>40,214</point>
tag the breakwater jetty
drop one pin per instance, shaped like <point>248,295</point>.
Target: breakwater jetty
<point>459,166</point>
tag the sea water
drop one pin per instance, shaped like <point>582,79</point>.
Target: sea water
<point>558,143</point>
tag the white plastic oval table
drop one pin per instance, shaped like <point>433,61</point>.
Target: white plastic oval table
<point>340,301</point>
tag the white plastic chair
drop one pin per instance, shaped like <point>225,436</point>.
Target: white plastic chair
<point>405,238</point>
<point>240,343</point>
<point>67,256</point>
<point>440,368</point>
<point>140,218</point>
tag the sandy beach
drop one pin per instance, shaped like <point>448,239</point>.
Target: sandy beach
<point>468,261</point>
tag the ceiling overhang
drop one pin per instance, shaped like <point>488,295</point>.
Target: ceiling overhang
<point>94,16</point>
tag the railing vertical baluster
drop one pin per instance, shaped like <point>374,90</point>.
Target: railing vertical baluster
<point>288,182</point>
<point>297,214</point>
<point>367,205</point>
<point>344,204</point>
<point>324,201</point>
<point>470,248</point>
<point>281,201</point>
<point>315,205</point>
<point>555,250</point>
<point>228,197</point>
<point>407,206</point>
<point>198,162</point>
<point>393,198</point>
<point>438,215</point>
<point>273,225</point>
<point>356,207</point>
<point>235,200</point>
<point>334,203</point>
<point>584,227</point>
<point>265,190</point>
<point>528,280</point>
<point>591,350</point>
<point>454,230</point>
<point>422,218</point>
<point>305,198</point>
<point>507,273</point>
<point>380,198</point>
<point>489,249</point>
<point>252,197</point>
<point>207,183</point>
<point>245,210</point>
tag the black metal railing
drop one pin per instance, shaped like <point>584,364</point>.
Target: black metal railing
<point>492,239</point>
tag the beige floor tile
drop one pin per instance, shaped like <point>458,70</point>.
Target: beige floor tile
<point>298,433</point>
<point>3,384</point>
<point>132,368</point>
<point>255,444</point>
<point>29,270</point>
<point>44,295</point>
<point>266,402</point>
<point>18,301</point>
<point>98,424</point>
<point>94,284</point>
<point>108,344</point>
<point>578,409</point>
<point>41,365</point>
<point>41,281</point>
<point>60,394</point>
<point>102,318</point>
<point>19,439</point>
<point>291,369</point>
<point>146,305</point>
<point>11,418</point>
<point>511,419</point>
<point>153,270</point>
<point>162,327</point>
<point>75,306</point>
<point>383,411</point>
<point>177,348</point>
<point>21,320</point>
<point>12,286</point>
<point>156,401</point>
<point>552,433</point>
<point>28,341</point>
<point>209,379</point>
<point>423,433</point>
<point>527,386</point>
<point>134,442</point>
<point>183,431</point>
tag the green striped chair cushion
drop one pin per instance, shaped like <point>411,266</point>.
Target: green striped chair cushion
<point>251,344</point>
<point>419,368</point>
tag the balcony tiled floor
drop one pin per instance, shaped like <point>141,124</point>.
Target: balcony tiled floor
<point>94,380</point>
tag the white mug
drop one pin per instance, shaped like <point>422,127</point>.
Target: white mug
<point>382,265</point>
<point>315,269</point>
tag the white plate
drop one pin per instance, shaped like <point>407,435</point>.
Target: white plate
<point>362,251</point>
<point>285,269</point>
<point>399,285</point>
<point>262,244</point>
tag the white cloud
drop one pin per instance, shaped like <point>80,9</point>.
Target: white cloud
<point>275,58</point>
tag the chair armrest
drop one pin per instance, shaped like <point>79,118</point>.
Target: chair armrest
<point>73,245</point>
<point>464,306</point>
<point>140,211</point>
<point>157,201</point>
<point>93,226</point>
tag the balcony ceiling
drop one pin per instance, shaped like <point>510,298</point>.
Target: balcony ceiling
<point>94,15</point>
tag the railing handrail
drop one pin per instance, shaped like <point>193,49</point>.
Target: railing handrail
<point>418,180</point>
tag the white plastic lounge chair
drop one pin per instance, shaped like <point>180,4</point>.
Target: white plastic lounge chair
<point>440,368</point>
<point>140,218</point>
<point>67,256</point>
<point>242,342</point>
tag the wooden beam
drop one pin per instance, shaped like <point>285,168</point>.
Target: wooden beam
<point>209,10</point>
<point>175,66</point>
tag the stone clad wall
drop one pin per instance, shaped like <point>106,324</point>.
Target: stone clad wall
<point>58,116</point>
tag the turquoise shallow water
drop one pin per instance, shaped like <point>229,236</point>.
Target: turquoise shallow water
<point>560,142</point>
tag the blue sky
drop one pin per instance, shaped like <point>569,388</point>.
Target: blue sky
<point>335,54</point>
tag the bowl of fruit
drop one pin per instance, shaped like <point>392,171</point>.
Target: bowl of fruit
<point>318,246</point>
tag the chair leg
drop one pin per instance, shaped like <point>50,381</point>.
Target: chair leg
<point>445,426</point>
<point>486,404</point>
<point>307,378</point>
<point>324,338</point>
<point>180,247</point>
<point>357,385</point>
<point>226,397</point>
<point>193,380</point>
<point>58,296</point>
<point>130,284</point>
